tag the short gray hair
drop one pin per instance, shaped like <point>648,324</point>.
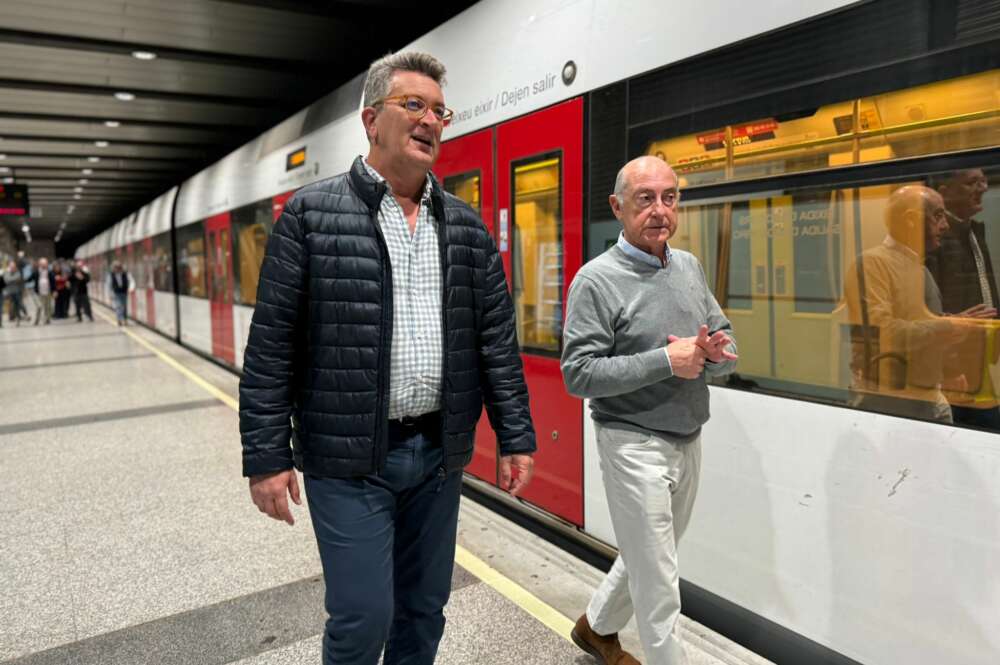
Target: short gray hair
<point>379,80</point>
<point>620,183</point>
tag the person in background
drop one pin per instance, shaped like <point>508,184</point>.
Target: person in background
<point>43,283</point>
<point>62,294</point>
<point>963,270</point>
<point>120,284</point>
<point>79,280</point>
<point>642,331</point>
<point>13,290</point>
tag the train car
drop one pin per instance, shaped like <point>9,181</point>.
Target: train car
<point>833,519</point>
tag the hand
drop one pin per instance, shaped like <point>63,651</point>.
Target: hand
<point>980,311</point>
<point>525,465</point>
<point>687,354</point>
<point>268,493</point>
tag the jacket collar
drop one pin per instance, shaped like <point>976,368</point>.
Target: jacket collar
<point>371,190</point>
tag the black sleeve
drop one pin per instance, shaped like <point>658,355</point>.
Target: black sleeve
<point>502,375</point>
<point>267,386</point>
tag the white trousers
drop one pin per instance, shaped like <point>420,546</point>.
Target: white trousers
<point>651,484</point>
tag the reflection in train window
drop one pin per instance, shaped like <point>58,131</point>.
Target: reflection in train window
<point>537,257</point>
<point>466,187</point>
<point>163,270</point>
<point>868,296</point>
<point>251,227</point>
<point>218,262</point>
<point>941,117</point>
<point>191,260</point>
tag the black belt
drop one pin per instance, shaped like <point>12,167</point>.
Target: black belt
<point>417,422</point>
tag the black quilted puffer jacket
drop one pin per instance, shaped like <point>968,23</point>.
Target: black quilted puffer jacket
<point>316,367</point>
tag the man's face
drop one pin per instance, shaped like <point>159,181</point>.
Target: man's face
<point>647,208</point>
<point>402,138</point>
<point>963,194</point>
<point>935,221</point>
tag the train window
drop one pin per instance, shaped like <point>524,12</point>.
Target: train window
<point>537,257</point>
<point>218,266</point>
<point>947,116</point>
<point>163,269</point>
<point>871,296</point>
<point>191,260</point>
<point>466,186</point>
<point>251,227</point>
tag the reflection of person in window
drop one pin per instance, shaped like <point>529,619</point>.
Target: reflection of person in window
<point>963,270</point>
<point>902,307</point>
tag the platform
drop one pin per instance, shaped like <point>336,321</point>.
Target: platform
<point>127,534</point>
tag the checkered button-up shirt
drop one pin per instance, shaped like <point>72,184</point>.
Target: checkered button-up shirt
<point>417,342</point>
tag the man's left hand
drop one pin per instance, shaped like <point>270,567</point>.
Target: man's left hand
<point>525,467</point>
<point>714,345</point>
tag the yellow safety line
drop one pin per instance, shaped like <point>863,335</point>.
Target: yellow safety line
<point>212,390</point>
<point>543,612</point>
<point>546,614</point>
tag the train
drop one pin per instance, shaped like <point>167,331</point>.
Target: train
<point>838,525</point>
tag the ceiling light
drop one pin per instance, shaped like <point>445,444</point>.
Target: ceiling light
<point>112,123</point>
<point>7,181</point>
<point>87,171</point>
<point>25,228</point>
<point>101,144</point>
<point>4,169</point>
<point>93,160</point>
<point>83,181</point>
<point>78,190</point>
<point>124,96</point>
<point>70,208</point>
<point>143,55</point>
<point>77,197</point>
<point>3,156</point>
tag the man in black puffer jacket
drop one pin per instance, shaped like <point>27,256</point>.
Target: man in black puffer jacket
<point>383,323</point>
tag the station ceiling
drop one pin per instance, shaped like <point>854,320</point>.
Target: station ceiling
<point>105,104</point>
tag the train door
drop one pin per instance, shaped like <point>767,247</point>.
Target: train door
<point>539,232</point>
<point>278,203</point>
<point>465,168</point>
<point>148,287</point>
<point>218,252</point>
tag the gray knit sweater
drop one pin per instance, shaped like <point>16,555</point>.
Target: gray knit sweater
<point>619,314</point>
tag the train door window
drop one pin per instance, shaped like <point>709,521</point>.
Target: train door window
<point>537,257</point>
<point>252,226</point>
<point>163,270</point>
<point>466,186</point>
<point>191,260</point>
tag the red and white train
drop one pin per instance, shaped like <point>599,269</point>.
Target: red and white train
<point>846,534</point>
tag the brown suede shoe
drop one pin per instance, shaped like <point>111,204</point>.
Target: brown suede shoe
<point>605,648</point>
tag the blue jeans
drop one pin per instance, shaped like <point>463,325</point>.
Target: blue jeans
<point>387,543</point>
<point>121,306</point>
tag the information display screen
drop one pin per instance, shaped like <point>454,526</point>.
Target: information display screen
<point>14,201</point>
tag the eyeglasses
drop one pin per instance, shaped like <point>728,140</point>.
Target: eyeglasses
<point>417,108</point>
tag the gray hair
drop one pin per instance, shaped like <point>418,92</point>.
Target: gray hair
<point>620,183</point>
<point>379,80</point>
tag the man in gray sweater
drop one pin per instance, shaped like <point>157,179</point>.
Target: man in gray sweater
<point>642,331</point>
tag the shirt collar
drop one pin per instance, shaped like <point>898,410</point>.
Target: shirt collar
<point>892,243</point>
<point>643,256</point>
<point>424,198</point>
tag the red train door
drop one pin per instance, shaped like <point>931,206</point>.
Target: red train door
<point>540,236</point>
<point>149,287</point>
<point>465,168</point>
<point>220,285</point>
<point>278,203</point>
<point>133,303</point>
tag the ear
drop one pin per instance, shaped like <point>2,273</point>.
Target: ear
<point>368,115</point>
<point>616,207</point>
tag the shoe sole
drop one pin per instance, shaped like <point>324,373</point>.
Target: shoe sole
<point>580,642</point>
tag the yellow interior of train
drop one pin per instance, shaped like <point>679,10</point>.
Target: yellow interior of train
<point>466,187</point>
<point>537,258</point>
<point>252,241</point>
<point>781,267</point>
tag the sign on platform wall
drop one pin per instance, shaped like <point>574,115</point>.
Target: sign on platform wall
<point>14,201</point>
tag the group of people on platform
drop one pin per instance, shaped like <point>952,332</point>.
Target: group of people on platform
<point>47,289</point>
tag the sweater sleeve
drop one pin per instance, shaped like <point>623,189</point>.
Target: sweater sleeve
<point>588,366</point>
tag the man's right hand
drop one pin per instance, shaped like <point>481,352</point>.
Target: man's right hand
<point>268,493</point>
<point>687,357</point>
